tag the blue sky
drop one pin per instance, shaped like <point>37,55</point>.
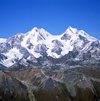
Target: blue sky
<point>55,16</point>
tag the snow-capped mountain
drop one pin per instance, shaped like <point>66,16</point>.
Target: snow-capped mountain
<point>38,42</point>
<point>2,40</point>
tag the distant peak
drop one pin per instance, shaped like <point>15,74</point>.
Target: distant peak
<point>35,28</point>
<point>69,27</point>
<point>42,29</point>
<point>73,30</point>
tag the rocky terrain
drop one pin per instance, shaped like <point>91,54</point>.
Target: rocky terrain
<point>54,84</point>
<point>37,66</point>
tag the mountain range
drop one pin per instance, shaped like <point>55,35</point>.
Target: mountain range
<point>39,43</point>
<point>38,66</point>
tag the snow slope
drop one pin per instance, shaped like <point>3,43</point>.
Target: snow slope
<point>2,40</point>
<point>38,42</point>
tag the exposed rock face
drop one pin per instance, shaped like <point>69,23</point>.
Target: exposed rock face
<point>2,67</point>
<point>11,89</point>
<point>66,37</point>
<point>2,57</point>
<point>57,43</point>
<point>30,46</point>
<point>41,49</point>
<point>72,84</point>
<point>57,50</point>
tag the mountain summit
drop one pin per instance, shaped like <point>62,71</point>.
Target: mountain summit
<point>38,43</point>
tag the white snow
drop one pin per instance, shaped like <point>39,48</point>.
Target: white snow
<point>11,55</point>
<point>2,40</point>
<point>46,38</point>
<point>70,29</point>
<point>67,47</point>
<point>32,35</point>
<point>90,38</point>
